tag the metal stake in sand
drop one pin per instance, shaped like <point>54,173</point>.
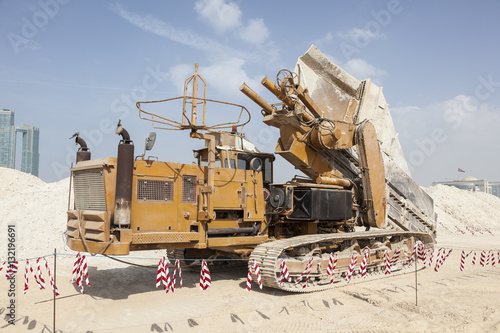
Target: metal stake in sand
<point>416,283</point>
<point>55,281</point>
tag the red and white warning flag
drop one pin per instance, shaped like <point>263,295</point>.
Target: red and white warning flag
<point>488,258</point>
<point>11,269</point>
<point>493,261</point>
<point>85,270</point>
<point>158,273</point>
<point>76,264</point>
<point>165,276</point>
<point>442,259</point>
<point>257,273</point>
<point>364,263</point>
<point>83,273</point>
<point>39,273</point>
<point>395,257</point>
<point>284,273</point>
<point>431,256</point>
<point>387,263</point>
<point>332,264</point>
<point>52,284</point>
<point>3,265</point>
<point>26,269</point>
<point>35,276</point>
<point>412,256</point>
<point>253,264</point>
<point>352,264</point>
<point>80,271</point>
<point>205,280</point>
<point>249,278</point>
<point>447,255</point>
<point>439,258</point>
<point>474,259</point>
<point>419,250</point>
<point>177,266</point>
<point>421,253</point>
<point>462,261</point>
<point>306,272</point>
<point>483,258</point>
<point>180,273</point>
<point>174,275</point>
<point>444,256</point>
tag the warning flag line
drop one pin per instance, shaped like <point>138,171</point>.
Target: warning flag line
<point>425,255</point>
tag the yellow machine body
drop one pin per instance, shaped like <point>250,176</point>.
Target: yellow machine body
<point>167,200</point>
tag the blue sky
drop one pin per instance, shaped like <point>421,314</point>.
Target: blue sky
<point>68,66</point>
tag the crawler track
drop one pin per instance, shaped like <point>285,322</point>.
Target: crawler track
<point>268,255</point>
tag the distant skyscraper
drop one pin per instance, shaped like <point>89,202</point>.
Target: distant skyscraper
<point>7,139</point>
<point>30,157</point>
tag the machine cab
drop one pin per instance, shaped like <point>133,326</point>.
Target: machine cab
<point>235,151</point>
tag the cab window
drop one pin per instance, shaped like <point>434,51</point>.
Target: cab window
<point>231,164</point>
<point>218,163</point>
<point>266,165</point>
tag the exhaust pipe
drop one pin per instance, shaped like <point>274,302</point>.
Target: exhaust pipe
<point>124,173</point>
<point>83,153</point>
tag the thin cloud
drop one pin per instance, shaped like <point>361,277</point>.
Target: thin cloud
<point>256,32</point>
<point>225,77</point>
<point>440,136</point>
<point>216,51</point>
<point>405,110</point>
<point>178,74</point>
<point>357,34</point>
<point>221,15</point>
<point>458,117</point>
<point>63,84</point>
<point>325,40</point>
<point>158,27</point>
<point>361,70</point>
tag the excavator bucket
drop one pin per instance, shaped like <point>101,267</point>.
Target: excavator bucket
<point>342,97</point>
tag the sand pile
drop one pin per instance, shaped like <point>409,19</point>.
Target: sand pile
<point>38,210</point>
<point>461,211</point>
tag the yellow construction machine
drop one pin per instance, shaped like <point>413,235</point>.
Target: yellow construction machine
<point>356,194</point>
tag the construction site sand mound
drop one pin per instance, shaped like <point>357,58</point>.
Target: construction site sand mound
<point>37,209</point>
<point>465,212</point>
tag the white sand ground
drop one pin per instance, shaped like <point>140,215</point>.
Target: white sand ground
<point>123,298</point>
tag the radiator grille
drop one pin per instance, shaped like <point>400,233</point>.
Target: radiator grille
<point>189,189</point>
<point>155,190</point>
<point>89,190</point>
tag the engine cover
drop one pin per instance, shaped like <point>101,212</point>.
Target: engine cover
<point>311,204</point>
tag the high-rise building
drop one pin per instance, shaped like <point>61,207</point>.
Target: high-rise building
<point>30,156</point>
<point>7,139</point>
